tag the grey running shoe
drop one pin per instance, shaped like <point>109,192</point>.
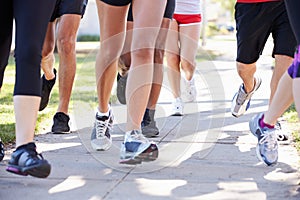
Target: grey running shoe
<point>47,86</point>
<point>121,88</point>
<point>26,161</point>
<point>149,128</point>
<point>101,139</point>
<point>267,146</point>
<point>136,148</point>
<point>177,107</point>
<point>241,100</point>
<point>60,123</point>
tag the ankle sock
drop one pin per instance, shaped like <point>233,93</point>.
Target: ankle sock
<point>262,124</point>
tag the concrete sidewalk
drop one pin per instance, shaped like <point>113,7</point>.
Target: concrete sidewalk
<point>206,154</point>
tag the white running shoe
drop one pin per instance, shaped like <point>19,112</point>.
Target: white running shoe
<point>190,90</point>
<point>177,107</point>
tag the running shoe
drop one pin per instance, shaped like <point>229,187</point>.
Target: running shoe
<point>190,90</point>
<point>177,107</point>
<point>1,150</point>
<point>101,139</point>
<point>47,86</point>
<point>26,161</point>
<point>267,146</point>
<point>137,149</point>
<point>60,123</point>
<point>121,88</point>
<point>149,128</point>
<point>241,100</point>
<point>281,136</point>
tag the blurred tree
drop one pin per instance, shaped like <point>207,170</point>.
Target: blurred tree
<point>227,4</point>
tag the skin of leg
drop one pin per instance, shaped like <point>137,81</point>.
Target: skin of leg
<point>296,94</point>
<point>189,39</point>
<point>25,125</point>
<point>158,64</point>
<point>246,72</point>
<point>48,58</point>
<point>282,99</point>
<point>173,59</point>
<point>144,37</point>
<point>125,56</point>
<point>112,28</point>
<point>66,41</point>
<point>282,63</point>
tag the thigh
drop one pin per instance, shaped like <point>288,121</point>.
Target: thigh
<point>173,39</point>
<point>68,27</point>
<point>189,40</point>
<point>147,27</point>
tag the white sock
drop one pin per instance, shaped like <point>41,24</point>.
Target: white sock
<point>101,114</point>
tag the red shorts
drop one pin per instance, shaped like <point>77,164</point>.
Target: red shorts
<point>184,19</point>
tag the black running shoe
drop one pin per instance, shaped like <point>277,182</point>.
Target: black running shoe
<point>26,161</point>
<point>60,123</point>
<point>47,86</point>
<point>1,150</point>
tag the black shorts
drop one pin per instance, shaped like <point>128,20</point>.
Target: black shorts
<point>117,2</point>
<point>255,22</point>
<point>169,11</point>
<point>63,7</point>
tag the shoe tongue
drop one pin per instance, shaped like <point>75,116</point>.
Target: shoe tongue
<point>102,118</point>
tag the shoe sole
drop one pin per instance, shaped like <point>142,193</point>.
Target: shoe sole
<point>60,132</point>
<point>148,155</point>
<point>39,171</point>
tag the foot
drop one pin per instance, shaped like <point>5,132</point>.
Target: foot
<point>100,138</point>
<point>177,107</point>
<point>60,123</point>
<point>137,149</point>
<point>26,161</point>
<point>267,146</point>
<point>47,86</point>
<point>241,100</point>
<point>149,128</point>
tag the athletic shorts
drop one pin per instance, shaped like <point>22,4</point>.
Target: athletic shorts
<point>169,11</point>
<point>117,2</point>
<point>63,7</point>
<point>185,20</point>
<point>255,22</point>
<point>294,69</point>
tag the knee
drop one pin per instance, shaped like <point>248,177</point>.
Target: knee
<point>66,45</point>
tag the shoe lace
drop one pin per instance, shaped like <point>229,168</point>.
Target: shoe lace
<point>269,140</point>
<point>242,97</point>
<point>101,127</point>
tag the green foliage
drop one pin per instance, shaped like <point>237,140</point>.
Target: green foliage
<point>88,38</point>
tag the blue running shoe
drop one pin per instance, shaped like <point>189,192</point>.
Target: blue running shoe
<point>136,148</point>
<point>267,146</point>
<point>241,100</point>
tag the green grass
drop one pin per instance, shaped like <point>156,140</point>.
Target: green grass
<point>292,117</point>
